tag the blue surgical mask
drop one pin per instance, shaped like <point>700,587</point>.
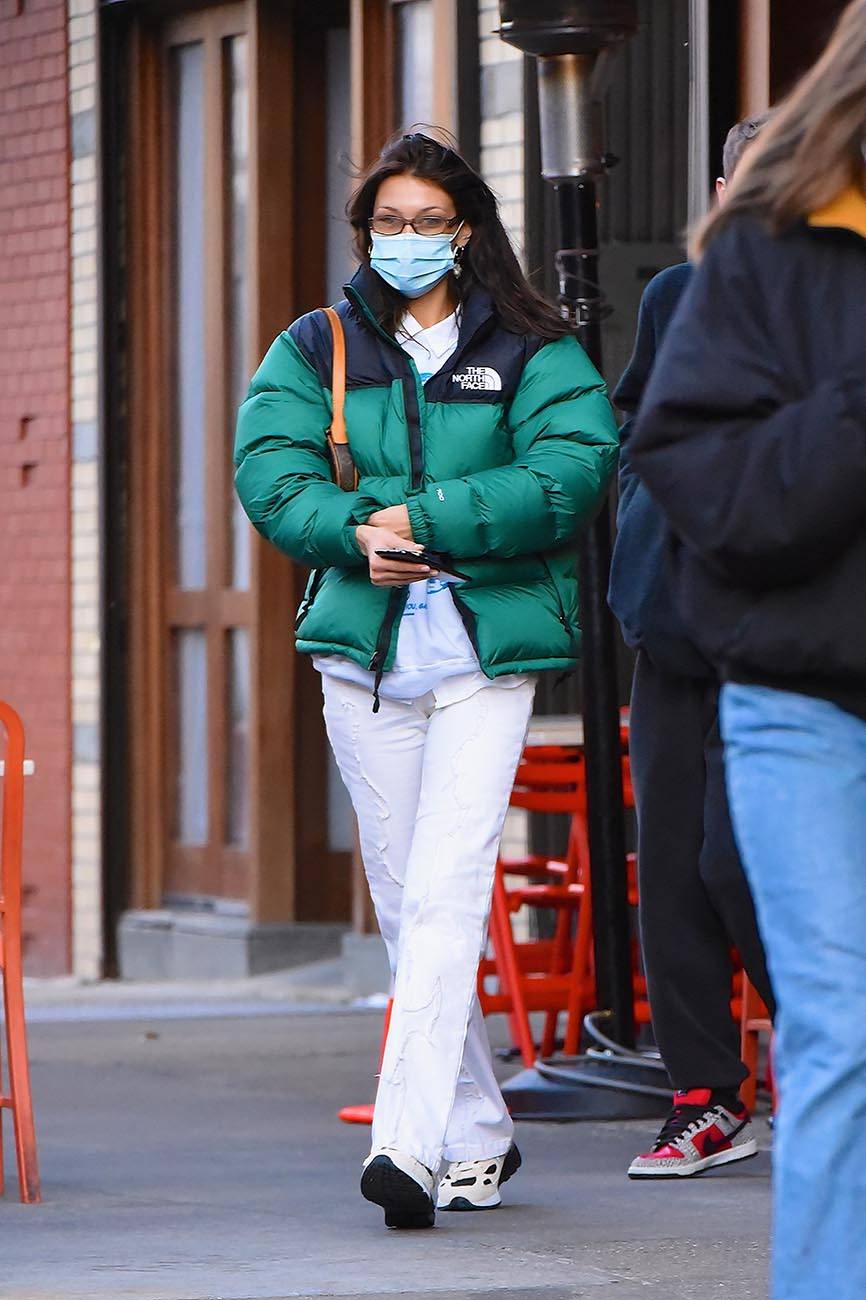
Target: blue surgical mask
<point>412,263</point>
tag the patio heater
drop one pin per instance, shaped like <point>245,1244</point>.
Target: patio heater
<point>574,43</point>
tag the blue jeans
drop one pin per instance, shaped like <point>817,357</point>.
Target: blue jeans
<point>796,771</point>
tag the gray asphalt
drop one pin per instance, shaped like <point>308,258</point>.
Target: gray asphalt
<point>202,1160</point>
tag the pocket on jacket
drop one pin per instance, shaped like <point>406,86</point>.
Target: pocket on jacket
<point>566,617</point>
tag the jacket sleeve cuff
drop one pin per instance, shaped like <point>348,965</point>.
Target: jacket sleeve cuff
<point>353,551</point>
<point>421,529</point>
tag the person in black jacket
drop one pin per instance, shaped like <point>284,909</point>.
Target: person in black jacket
<point>752,437</point>
<point>695,903</point>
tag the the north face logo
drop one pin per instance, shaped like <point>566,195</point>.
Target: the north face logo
<point>478,378</point>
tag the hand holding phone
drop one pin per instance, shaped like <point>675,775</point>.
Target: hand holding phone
<point>436,562</point>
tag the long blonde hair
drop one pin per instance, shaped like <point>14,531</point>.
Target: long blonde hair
<point>812,148</point>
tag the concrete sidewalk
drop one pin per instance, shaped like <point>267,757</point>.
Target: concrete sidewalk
<point>320,984</point>
<point>191,1159</point>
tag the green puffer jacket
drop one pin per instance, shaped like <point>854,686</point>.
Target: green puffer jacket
<point>503,458</point>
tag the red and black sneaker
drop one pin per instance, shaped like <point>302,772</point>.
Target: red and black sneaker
<point>705,1128</point>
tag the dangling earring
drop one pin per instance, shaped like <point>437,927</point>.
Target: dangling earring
<point>458,258</point>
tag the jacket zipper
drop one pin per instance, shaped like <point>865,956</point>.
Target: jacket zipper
<point>413,420</point>
<point>468,620</point>
<point>396,601</point>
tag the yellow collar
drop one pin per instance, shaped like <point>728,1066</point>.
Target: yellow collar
<point>847,210</point>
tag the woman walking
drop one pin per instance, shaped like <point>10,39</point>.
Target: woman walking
<point>753,439</point>
<point>483,442</point>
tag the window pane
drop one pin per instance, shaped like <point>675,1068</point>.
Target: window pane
<point>414,62</point>
<point>237,795</point>
<point>189,653</point>
<point>237,209</point>
<point>187,80</point>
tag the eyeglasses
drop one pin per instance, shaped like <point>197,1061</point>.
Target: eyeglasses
<point>392,224</point>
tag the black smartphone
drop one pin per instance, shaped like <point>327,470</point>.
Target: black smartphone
<point>440,563</point>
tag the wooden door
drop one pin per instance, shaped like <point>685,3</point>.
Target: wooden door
<point>192,599</point>
<point>232,806</point>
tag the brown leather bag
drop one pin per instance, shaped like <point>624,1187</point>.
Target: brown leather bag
<point>342,465</point>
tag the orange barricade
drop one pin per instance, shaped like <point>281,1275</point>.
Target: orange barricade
<point>18,1099</point>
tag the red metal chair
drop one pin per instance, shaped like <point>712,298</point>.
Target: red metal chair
<point>18,1099</point>
<point>550,974</point>
<point>555,975</point>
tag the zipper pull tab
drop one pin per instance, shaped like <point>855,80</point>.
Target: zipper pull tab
<point>377,666</point>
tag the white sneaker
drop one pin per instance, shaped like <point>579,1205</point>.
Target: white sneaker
<point>475,1184</point>
<point>402,1186</point>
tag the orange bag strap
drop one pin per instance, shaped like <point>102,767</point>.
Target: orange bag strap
<point>338,378</point>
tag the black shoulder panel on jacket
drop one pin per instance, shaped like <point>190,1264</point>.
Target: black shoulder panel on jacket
<point>312,334</point>
<point>367,357</point>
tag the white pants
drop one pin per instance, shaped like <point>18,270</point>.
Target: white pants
<point>430,785</point>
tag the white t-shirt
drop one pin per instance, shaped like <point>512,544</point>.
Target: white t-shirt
<point>434,652</point>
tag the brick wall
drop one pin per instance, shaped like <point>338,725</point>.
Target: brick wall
<point>34,447</point>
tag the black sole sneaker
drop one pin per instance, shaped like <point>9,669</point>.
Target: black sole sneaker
<point>405,1202</point>
<point>478,1176</point>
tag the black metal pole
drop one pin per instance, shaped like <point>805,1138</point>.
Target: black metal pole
<point>572,41</point>
<point>581,296</point>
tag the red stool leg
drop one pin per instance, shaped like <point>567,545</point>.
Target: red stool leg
<point>509,973</point>
<point>580,991</point>
<point>2,1174</point>
<point>754,1019</point>
<point>561,944</point>
<point>19,1081</point>
<point>13,988</point>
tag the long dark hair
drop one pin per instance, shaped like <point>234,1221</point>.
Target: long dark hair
<point>488,259</point>
<point>812,147</point>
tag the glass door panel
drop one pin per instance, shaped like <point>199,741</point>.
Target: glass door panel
<point>187,93</point>
<point>238,309</point>
<point>207,587</point>
<point>237,794</point>
<point>189,707</point>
